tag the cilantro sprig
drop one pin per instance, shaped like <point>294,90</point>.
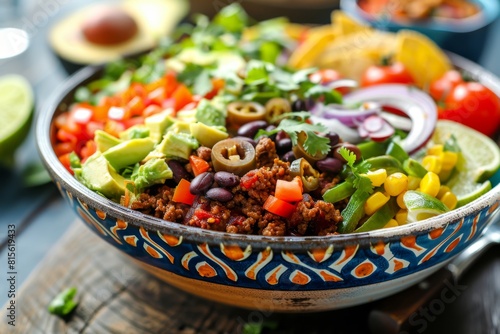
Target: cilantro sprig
<point>313,144</point>
<point>355,170</point>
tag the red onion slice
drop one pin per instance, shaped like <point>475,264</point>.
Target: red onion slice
<point>418,105</point>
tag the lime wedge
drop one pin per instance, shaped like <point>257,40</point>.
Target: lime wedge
<point>479,162</point>
<point>481,155</point>
<point>422,206</point>
<point>16,111</point>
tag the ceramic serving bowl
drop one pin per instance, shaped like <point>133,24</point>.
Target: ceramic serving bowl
<point>465,37</point>
<point>283,274</point>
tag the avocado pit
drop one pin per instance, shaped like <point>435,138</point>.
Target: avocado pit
<point>109,26</point>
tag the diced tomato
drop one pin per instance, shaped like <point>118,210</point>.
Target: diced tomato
<point>133,121</point>
<point>278,207</point>
<point>92,127</point>
<point>198,165</point>
<point>135,106</point>
<point>202,214</point>
<point>114,128</point>
<point>151,110</point>
<point>65,136</point>
<point>65,161</point>
<point>182,194</point>
<point>157,96</point>
<point>89,149</point>
<point>249,179</point>
<point>170,84</point>
<point>217,84</point>
<point>290,191</point>
<point>64,148</point>
<point>181,96</point>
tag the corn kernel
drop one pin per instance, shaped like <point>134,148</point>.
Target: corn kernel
<point>400,200</point>
<point>375,202</point>
<point>413,182</point>
<point>430,184</point>
<point>435,150</point>
<point>449,160</point>
<point>391,223</point>
<point>396,183</point>
<point>402,217</point>
<point>432,163</point>
<point>449,199</point>
<point>377,177</point>
<point>443,189</point>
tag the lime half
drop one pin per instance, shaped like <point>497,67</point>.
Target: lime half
<point>16,111</point>
<point>480,160</point>
<point>422,206</point>
<point>480,152</point>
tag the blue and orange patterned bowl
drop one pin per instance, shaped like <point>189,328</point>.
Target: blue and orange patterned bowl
<point>286,274</point>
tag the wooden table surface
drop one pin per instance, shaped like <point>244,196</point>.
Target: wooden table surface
<point>54,251</point>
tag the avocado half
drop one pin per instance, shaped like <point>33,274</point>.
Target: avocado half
<point>155,19</point>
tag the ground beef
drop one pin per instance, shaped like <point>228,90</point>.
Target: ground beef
<point>204,152</point>
<point>265,152</point>
<point>244,213</point>
<point>157,201</point>
<point>262,181</point>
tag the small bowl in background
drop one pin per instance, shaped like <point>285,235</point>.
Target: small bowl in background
<point>466,37</point>
<point>297,11</point>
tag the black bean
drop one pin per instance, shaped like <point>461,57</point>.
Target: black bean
<point>226,179</point>
<point>284,145</point>
<point>201,183</point>
<point>351,147</point>
<point>250,140</point>
<point>299,105</point>
<point>331,165</point>
<point>219,194</point>
<point>281,135</point>
<point>250,129</point>
<point>334,138</point>
<point>178,170</point>
<point>288,156</point>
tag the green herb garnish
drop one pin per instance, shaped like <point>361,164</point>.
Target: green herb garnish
<point>63,304</point>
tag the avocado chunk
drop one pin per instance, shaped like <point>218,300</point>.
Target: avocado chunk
<point>99,176</point>
<point>158,123</point>
<point>207,135</point>
<point>128,152</point>
<point>180,126</point>
<point>154,171</point>
<point>134,132</point>
<point>104,141</point>
<point>176,145</point>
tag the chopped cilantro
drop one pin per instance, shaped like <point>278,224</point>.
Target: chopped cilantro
<point>63,304</point>
<point>257,327</point>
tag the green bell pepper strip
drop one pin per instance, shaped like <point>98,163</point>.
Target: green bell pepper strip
<point>339,192</point>
<point>413,168</point>
<point>353,212</point>
<point>387,162</point>
<point>381,217</point>
<point>396,151</point>
<point>371,149</point>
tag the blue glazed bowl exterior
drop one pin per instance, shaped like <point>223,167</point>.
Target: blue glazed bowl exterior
<point>292,274</point>
<point>465,37</point>
<point>241,265</point>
